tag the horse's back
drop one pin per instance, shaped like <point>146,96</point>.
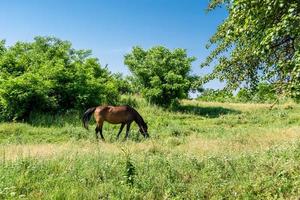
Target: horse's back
<point>115,114</point>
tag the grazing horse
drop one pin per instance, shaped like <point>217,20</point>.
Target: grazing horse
<point>115,115</point>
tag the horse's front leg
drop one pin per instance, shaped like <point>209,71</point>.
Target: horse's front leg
<point>121,129</point>
<point>127,130</point>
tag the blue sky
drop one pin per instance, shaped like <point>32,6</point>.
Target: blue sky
<point>111,27</point>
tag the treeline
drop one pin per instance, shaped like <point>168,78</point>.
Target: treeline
<point>262,93</point>
<point>48,75</point>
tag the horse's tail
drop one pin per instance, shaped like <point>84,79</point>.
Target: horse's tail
<point>87,116</point>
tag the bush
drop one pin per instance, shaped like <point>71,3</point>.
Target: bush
<point>264,92</point>
<point>163,74</point>
<point>216,95</point>
<point>49,75</point>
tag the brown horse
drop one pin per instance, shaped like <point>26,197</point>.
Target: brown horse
<point>115,115</point>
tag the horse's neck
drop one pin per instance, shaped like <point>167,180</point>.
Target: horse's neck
<point>139,120</point>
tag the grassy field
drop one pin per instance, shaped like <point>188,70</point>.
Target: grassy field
<point>200,150</point>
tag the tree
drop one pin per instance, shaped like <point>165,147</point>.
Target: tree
<point>258,42</point>
<point>163,74</point>
<point>124,84</point>
<point>48,75</point>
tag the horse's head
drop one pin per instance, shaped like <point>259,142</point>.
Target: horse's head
<point>144,130</point>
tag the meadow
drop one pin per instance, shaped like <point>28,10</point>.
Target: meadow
<point>197,150</point>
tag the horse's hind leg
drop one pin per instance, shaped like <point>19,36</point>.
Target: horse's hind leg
<point>99,129</point>
<point>100,124</point>
<point>96,131</point>
<point>121,129</point>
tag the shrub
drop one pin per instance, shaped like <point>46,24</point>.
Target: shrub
<point>263,92</point>
<point>216,95</point>
<point>49,75</point>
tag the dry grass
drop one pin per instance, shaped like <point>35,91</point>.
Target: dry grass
<point>198,146</point>
<point>193,145</point>
<point>240,106</point>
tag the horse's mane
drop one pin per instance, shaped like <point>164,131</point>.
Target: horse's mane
<point>139,119</point>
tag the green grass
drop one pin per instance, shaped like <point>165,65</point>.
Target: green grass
<point>199,150</point>
<point>154,175</point>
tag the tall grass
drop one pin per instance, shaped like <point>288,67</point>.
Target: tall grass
<point>154,175</point>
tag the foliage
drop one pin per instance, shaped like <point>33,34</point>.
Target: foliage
<point>261,94</point>
<point>49,75</point>
<point>216,95</point>
<point>164,74</point>
<point>259,41</point>
<point>125,84</point>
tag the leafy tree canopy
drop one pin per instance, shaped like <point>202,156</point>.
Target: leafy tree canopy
<point>164,74</point>
<point>49,75</point>
<point>259,41</point>
<point>124,83</point>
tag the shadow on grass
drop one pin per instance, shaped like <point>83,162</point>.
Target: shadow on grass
<point>207,111</point>
<point>71,117</point>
